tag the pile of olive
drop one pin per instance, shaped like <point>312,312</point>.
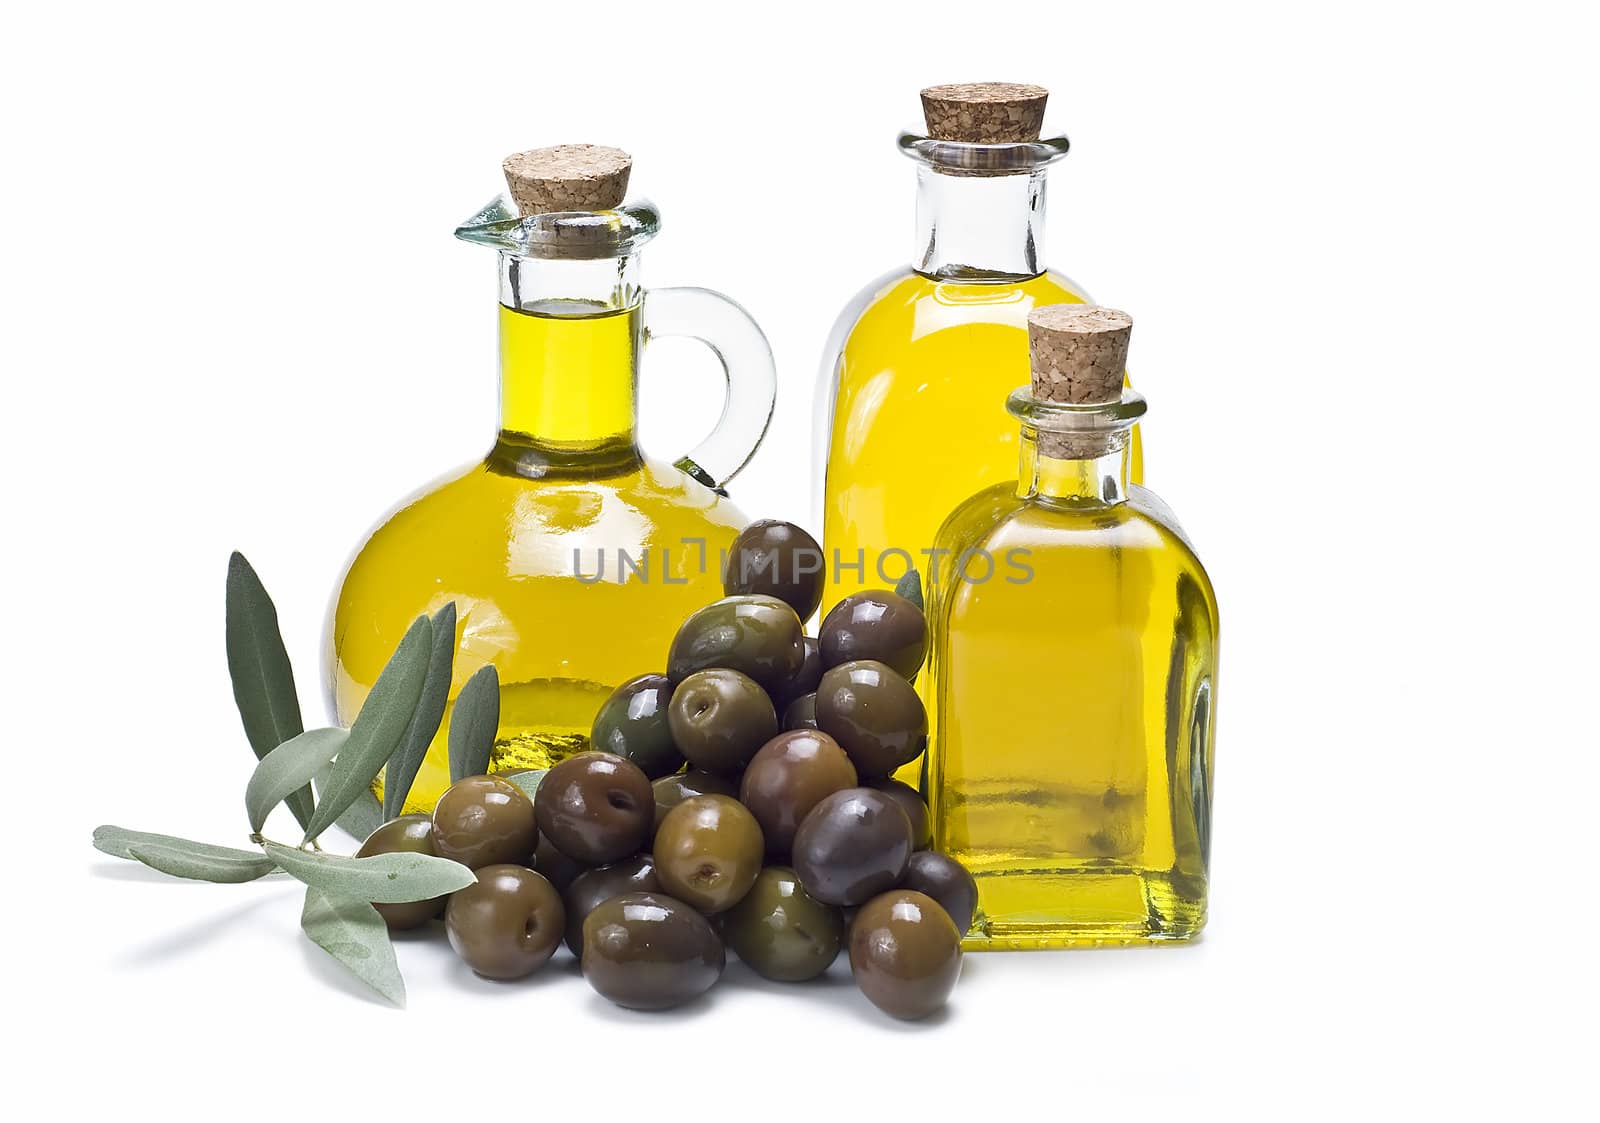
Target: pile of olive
<point>743,799</point>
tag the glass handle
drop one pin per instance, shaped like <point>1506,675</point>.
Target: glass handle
<point>746,358</point>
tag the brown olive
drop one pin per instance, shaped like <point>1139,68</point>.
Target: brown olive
<point>558,869</point>
<point>596,807</point>
<point>914,807</point>
<point>874,714</point>
<point>508,924</point>
<point>947,881</point>
<point>408,834</point>
<point>776,559</point>
<point>875,625</point>
<point>720,718</point>
<point>673,790</point>
<point>648,951</point>
<point>905,953</point>
<point>852,846</point>
<point>791,774</point>
<point>804,681</point>
<point>597,886</point>
<point>708,852</point>
<point>484,821</point>
<point>802,713</point>
<point>782,932</point>
<point>757,636</point>
<point>632,723</point>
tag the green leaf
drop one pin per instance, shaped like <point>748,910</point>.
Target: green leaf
<point>354,934</point>
<point>378,727</point>
<point>289,768</point>
<point>528,781</point>
<point>475,724</point>
<point>910,587</point>
<point>385,878</point>
<point>179,857</point>
<point>263,680</point>
<point>403,765</point>
<point>362,817</point>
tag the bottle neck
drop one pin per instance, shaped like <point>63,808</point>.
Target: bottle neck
<point>1074,470</point>
<point>979,227</point>
<point>570,334</point>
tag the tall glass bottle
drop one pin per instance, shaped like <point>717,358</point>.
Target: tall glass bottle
<point>1072,672</point>
<point>926,354</point>
<point>571,554</point>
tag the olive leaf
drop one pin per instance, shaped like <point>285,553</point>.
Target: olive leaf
<point>910,587</point>
<point>263,680</point>
<point>378,727</point>
<point>474,724</point>
<point>528,781</point>
<point>180,857</point>
<point>362,817</point>
<point>401,770</point>
<point>287,769</point>
<point>385,878</point>
<point>353,933</point>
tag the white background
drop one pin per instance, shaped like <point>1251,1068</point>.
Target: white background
<point>1358,242</point>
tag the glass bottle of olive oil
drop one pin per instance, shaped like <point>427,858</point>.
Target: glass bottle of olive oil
<point>928,352</point>
<point>571,554</point>
<point>1072,672</point>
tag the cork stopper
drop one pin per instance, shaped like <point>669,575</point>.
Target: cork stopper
<point>568,177</point>
<point>985,112</point>
<point>1079,353</point>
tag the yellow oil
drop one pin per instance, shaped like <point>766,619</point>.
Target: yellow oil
<point>918,417</point>
<point>564,490</point>
<point>1072,718</point>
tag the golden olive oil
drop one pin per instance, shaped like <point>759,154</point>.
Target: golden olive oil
<point>571,555</point>
<point>918,419</point>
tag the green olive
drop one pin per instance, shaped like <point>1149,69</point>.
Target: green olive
<point>673,790</point>
<point>508,924</point>
<point>782,932</point>
<point>708,852</point>
<point>649,952</point>
<point>596,807</point>
<point>632,723</point>
<point>719,718</point>
<point>408,834</point>
<point>801,714</point>
<point>592,889</point>
<point>874,714</point>
<point>758,636</point>
<point>905,953</point>
<point>484,821</point>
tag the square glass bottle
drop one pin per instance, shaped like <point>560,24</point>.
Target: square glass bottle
<point>1072,672</point>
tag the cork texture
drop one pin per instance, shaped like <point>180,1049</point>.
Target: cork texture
<point>568,177</point>
<point>1079,353</point>
<point>985,112</point>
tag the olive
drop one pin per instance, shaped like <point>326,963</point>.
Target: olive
<point>947,882</point>
<point>911,803</point>
<point>708,852</point>
<point>874,714</point>
<point>673,790</point>
<point>804,681</point>
<point>648,951</point>
<point>781,931</point>
<point>596,807</point>
<point>720,718</point>
<point>484,821</point>
<point>594,888</point>
<point>905,953</point>
<point>632,723</point>
<point>506,925</point>
<point>875,625</point>
<point>408,834</point>
<point>558,869</point>
<point>791,774</point>
<point>776,559</point>
<point>758,636</point>
<point>852,846</point>
<point>802,713</point>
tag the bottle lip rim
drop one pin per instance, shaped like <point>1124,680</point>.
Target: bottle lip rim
<point>580,235</point>
<point>1060,417</point>
<point>962,158</point>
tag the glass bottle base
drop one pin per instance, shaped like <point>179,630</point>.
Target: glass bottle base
<point>1026,910</point>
